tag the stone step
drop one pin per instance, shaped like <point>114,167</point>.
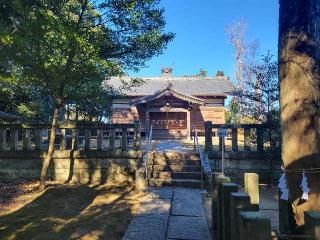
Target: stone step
<point>177,175</point>
<point>175,155</point>
<point>175,168</point>
<point>176,162</point>
<point>188,183</point>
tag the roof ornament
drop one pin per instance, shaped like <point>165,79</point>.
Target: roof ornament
<point>166,71</point>
<point>170,86</point>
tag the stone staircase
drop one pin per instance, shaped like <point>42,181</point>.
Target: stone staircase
<point>174,169</point>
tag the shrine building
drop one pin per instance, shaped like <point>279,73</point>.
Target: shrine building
<point>172,105</point>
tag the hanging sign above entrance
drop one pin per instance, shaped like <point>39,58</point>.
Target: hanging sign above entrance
<point>222,132</point>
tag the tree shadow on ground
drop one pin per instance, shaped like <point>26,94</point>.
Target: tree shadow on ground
<point>71,212</point>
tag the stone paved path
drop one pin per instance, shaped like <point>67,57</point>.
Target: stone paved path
<point>170,145</point>
<point>169,213</point>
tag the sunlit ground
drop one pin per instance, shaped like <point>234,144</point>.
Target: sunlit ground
<point>67,212</point>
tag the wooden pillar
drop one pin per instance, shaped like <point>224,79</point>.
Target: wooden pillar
<point>87,133</point>
<point>208,135</point>
<point>137,135</point>
<point>247,139</point>
<point>37,139</point>
<point>14,139</point>
<point>188,125</point>
<point>3,139</point>
<point>235,139</point>
<point>111,138</point>
<point>147,122</point>
<point>26,142</point>
<point>124,139</point>
<point>99,139</point>
<point>63,140</point>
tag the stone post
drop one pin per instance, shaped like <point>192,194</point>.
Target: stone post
<point>87,134</point>
<point>240,201</point>
<point>26,142</point>
<point>208,135</point>
<point>247,139</point>
<point>63,140</point>
<point>3,139</point>
<point>235,139</point>
<point>312,224</point>
<point>285,210</point>
<point>37,139</point>
<point>251,186</point>
<point>75,140</point>
<point>124,139</point>
<point>259,139</point>
<point>217,177</point>
<point>137,135</point>
<point>225,190</point>
<point>111,138</point>
<point>220,144</point>
<point>14,139</point>
<point>253,227</point>
<point>99,139</point>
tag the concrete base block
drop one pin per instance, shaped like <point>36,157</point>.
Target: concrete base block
<point>216,179</point>
<point>312,224</point>
<point>225,190</point>
<point>253,227</point>
<point>240,201</point>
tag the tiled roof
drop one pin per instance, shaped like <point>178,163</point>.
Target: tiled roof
<point>167,91</point>
<point>196,86</point>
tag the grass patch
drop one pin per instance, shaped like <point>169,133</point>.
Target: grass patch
<point>72,212</point>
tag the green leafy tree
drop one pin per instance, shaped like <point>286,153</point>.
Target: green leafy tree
<point>66,49</point>
<point>232,113</point>
<point>220,73</point>
<point>262,96</point>
<point>202,73</point>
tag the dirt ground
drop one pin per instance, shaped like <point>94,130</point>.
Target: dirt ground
<point>66,211</point>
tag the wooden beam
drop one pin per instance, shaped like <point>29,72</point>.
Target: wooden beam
<point>188,125</point>
<point>165,109</point>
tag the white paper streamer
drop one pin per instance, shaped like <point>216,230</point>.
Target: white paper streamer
<point>283,187</point>
<point>304,187</point>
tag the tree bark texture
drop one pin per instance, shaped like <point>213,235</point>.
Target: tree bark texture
<point>299,67</point>
<point>52,137</point>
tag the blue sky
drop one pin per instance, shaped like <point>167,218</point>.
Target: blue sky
<point>200,40</point>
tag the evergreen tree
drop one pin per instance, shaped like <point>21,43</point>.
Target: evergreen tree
<point>66,49</point>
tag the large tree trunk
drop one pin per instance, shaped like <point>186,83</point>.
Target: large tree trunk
<point>50,151</point>
<point>299,66</point>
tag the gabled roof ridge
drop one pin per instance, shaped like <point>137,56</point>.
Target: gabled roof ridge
<point>159,92</point>
<point>165,78</point>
